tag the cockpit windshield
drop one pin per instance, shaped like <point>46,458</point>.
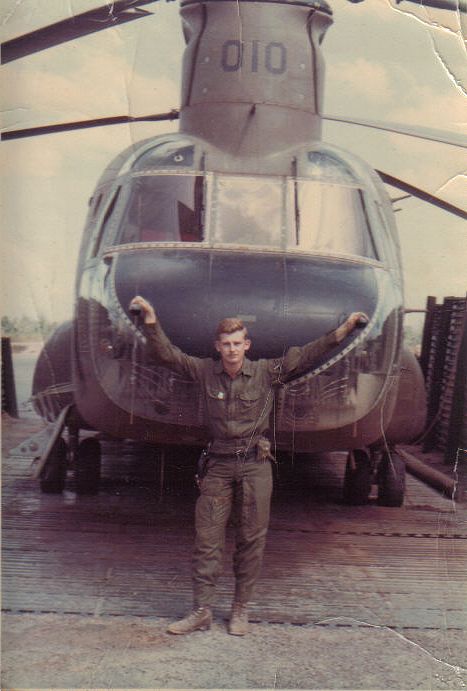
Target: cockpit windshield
<point>308,214</point>
<point>291,213</point>
<point>163,208</point>
<point>326,217</point>
<point>248,211</point>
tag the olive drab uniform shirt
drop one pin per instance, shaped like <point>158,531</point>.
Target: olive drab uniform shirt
<point>237,409</point>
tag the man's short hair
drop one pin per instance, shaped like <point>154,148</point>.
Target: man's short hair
<point>229,325</point>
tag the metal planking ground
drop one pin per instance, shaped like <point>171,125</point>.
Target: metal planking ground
<point>127,550</point>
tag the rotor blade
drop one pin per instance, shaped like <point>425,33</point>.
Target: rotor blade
<point>400,199</point>
<point>453,5</point>
<point>87,124</point>
<point>427,133</point>
<point>421,194</point>
<point>119,12</point>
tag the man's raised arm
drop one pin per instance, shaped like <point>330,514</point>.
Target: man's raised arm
<point>299,359</point>
<point>160,347</point>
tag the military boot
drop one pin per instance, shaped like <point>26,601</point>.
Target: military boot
<point>200,619</point>
<point>238,624</point>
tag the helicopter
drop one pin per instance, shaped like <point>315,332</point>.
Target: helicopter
<point>246,212</point>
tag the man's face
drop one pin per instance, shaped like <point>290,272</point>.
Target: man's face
<point>233,347</point>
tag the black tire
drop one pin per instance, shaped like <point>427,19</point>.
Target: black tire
<point>358,478</point>
<point>88,467</point>
<point>391,480</point>
<point>53,475</point>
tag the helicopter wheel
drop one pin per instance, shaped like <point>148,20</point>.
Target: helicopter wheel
<point>391,480</point>
<point>358,478</point>
<point>52,478</point>
<point>88,467</point>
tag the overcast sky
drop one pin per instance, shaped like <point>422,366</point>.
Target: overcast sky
<point>387,62</point>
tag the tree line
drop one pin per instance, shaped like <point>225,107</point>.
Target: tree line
<point>27,329</point>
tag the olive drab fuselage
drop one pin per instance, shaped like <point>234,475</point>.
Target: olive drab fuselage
<point>245,212</point>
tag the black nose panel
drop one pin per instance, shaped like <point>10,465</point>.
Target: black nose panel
<point>284,300</point>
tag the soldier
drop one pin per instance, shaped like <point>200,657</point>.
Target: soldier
<point>238,396</point>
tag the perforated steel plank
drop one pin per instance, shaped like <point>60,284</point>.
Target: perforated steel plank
<point>126,552</point>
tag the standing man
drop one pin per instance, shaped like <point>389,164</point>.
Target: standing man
<point>238,397</point>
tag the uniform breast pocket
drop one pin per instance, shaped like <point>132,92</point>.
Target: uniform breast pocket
<point>249,405</point>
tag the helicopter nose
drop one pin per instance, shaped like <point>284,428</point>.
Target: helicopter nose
<point>283,300</point>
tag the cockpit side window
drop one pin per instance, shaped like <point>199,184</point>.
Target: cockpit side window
<point>369,240</point>
<point>163,208</point>
<point>105,222</point>
<point>96,205</point>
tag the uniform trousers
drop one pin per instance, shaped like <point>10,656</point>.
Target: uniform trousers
<point>241,488</point>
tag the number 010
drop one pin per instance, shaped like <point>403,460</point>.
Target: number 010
<point>272,57</point>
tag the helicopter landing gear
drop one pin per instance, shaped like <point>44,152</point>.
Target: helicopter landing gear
<point>358,477</point>
<point>87,464</point>
<point>391,479</point>
<point>53,474</point>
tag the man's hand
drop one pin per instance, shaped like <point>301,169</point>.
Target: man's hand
<point>145,307</point>
<point>356,319</point>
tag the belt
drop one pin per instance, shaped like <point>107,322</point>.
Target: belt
<point>228,447</point>
<point>239,453</point>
